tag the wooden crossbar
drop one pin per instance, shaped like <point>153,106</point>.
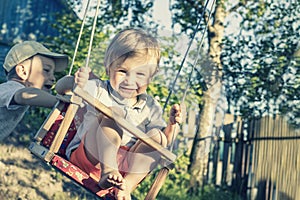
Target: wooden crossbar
<point>169,156</point>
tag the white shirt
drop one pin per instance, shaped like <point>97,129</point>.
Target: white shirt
<point>10,115</point>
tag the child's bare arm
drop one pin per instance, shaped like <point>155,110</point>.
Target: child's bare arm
<point>175,117</point>
<point>37,97</point>
<point>34,97</point>
<point>66,83</point>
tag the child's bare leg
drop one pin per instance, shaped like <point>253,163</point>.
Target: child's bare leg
<point>142,159</point>
<point>102,147</point>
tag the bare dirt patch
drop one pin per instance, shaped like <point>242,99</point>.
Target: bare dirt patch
<point>25,177</point>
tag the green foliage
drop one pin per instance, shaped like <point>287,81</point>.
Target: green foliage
<point>117,13</point>
<point>177,184</point>
<point>187,14</point>
<point>66,42</point>
<point>213,193</point>
<point>188,82</point>
<point>260,73</point>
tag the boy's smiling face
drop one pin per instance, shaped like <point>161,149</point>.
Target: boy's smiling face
<point>132,77</point>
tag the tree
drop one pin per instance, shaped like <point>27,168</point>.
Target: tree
<point>118,14</point>
<point>186,17</point>
<point>262,76</point>
<point>248,69</point>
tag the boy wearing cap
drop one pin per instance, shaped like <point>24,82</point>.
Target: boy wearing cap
<point>30,71</point>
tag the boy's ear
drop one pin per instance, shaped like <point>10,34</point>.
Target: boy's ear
<point>22,71</point>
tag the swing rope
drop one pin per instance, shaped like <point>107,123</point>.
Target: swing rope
<point>162,174</point>
<point>185,55</point>
<point>79,37</point>
<point>80,34</point>
<point>92,34</point>
<point>197,54</point>
<point>193,66</point>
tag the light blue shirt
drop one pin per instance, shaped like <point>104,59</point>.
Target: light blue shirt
<point>10,115</point>
<point>146,114</point>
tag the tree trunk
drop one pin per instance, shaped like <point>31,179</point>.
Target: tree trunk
<point>212,76</point>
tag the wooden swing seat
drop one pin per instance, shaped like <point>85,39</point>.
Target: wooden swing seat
<point>58,130</point>
<point>59,161</point>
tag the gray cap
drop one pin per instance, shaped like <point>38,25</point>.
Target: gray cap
<point>20,52</point>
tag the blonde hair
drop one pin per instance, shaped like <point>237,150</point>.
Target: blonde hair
<point>131,43</point>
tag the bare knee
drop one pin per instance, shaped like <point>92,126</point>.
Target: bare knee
<point>108,123</point>
<point>158,136</point>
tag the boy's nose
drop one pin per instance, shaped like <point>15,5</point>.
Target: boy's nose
<point>130,79</point>
<point>52,78</point>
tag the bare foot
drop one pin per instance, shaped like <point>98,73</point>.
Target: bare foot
<point>122,194</point>
<point>112,179</point>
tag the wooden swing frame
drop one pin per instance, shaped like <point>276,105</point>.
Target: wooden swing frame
<point>50,154</point>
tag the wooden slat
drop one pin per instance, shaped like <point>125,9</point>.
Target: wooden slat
<point>45,127</point>
<point>65,124</point>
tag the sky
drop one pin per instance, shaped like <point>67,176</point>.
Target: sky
<point>161,11</point>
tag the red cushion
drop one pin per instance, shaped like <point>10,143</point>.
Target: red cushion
<point>80,177</point>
